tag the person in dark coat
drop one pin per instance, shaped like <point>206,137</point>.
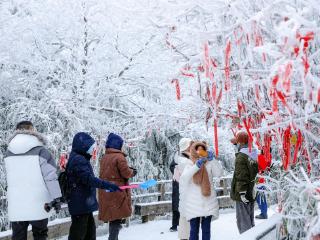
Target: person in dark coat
<point>82,201</point>
<point>175,200</point>
<point>184,146</point>
<point>243,182</point>
<point>116,206</point>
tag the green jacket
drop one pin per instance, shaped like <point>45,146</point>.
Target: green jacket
<point>244,176</point>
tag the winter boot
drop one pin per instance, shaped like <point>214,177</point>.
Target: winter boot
<point>261,216</point>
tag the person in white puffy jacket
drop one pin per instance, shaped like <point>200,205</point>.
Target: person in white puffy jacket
<point>33,186</point>
<point>198,200</point>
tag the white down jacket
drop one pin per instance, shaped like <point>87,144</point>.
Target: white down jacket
<point>192,203</point>
<point>31,177</point>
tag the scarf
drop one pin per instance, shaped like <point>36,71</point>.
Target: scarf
<point>200,178</point>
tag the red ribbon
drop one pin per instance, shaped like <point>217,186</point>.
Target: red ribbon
<point>286,148</point>
<point>215,126</point>
<point>227,85</point>
<point>178,94</point>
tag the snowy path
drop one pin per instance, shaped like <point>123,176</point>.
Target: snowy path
<point>224,228</point>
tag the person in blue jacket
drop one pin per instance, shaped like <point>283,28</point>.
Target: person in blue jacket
<point>82,184</point>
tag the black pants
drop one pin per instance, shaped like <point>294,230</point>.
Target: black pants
<point>114,229</point>
<point>175,219</point>
<point>39,230</point>
<point>82,227</point>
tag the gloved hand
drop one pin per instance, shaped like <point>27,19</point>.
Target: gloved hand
<point>47,207</point>
<point>210,155</point>
<point>134,171</point>
<point>243,197</point>
<point>56,204</point>
<point>111,187</point>
<point>200,162</point>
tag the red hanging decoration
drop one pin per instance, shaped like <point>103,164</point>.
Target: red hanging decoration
<point>273,94</point>
<point>257,94</point>
<point>215,126</point>
<point>239,108</point>
<point>247,127</point>
<point>186,71</point>
<point>176,81</point>
<point>267,148</point>
<point>208,95</point>
<point>227,85</point>
<point>63,161</point>
<point>286,148</point>
<point>286,79</point>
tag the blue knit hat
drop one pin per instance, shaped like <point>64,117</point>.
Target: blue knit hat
<point>114,141</point>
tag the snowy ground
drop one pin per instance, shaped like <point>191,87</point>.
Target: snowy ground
<point>224,228</point>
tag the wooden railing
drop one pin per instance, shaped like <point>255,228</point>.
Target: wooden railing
<point>156,201</point>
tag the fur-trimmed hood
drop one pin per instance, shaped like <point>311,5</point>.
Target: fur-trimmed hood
<point>23,141</point>
<point>193,152</point>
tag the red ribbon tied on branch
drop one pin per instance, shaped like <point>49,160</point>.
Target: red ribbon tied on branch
<point>227,85</point>
<point>177,84</point>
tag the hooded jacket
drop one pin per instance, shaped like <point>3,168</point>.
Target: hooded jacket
<point>81,180</point>
<point>245,172</point>
<point>114,168</point>
<point>192,202</point>
<point>31,177</point>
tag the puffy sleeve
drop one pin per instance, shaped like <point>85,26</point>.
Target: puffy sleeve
<point>186,176</point>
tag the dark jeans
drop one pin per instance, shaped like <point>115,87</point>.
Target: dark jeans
<point>205,226</point>
<point>114,229</point>
<point>262,202</point>
<point>175,219</point>
<point>82,227</point>
<point>39,230</point>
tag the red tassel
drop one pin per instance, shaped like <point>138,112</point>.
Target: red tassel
<point>286,79</point>
<point>306,65</point>
<point>239,108</point>
<point>215,126</point>
<point>227,85</point>
<point>283,100</point>
<point>247,127</point>
<point>286,148</point>
<point>273,94</point>
<point>176,81</point>
<point>257,93</point>
<point>266,149</point>
<point>63,161</point>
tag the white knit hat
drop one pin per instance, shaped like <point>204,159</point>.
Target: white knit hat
<point>184,144</point>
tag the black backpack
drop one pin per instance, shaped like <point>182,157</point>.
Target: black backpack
<point>64,186</point>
